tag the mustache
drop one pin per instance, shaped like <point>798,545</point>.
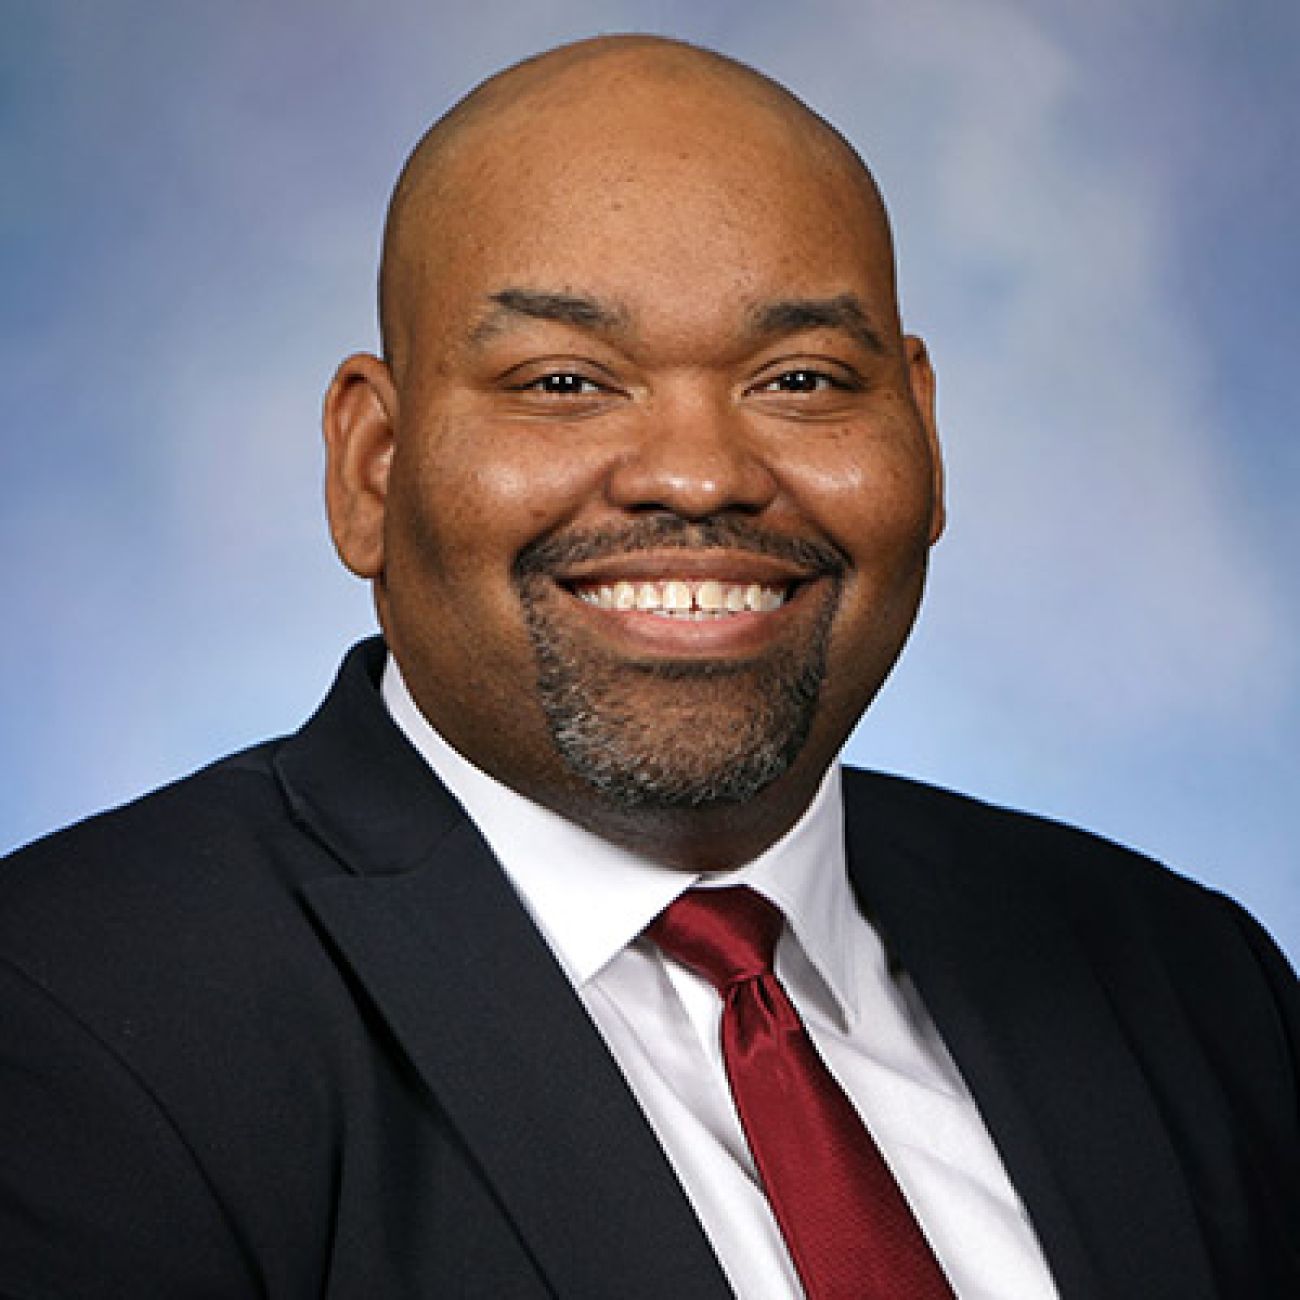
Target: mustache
<point>546,555</point>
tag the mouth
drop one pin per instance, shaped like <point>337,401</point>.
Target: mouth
<point>697,606</point>
<point>691,599</point>
<point>660,591</point>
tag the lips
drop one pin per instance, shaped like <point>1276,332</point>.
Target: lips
<point>665,588</point>
<point>684,597</point>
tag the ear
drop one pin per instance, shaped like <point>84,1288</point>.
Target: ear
<point>921,376</point>
<point>359,419</point>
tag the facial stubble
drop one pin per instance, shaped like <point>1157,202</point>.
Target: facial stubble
<point>675,735</point>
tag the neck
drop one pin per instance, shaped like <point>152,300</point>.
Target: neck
<point>717,837</point>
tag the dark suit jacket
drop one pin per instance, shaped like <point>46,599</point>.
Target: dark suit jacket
<point>283,1030</point>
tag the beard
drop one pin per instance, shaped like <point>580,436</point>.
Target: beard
<point>663,736</point>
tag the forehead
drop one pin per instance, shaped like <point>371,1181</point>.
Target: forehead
<point>637,202</point>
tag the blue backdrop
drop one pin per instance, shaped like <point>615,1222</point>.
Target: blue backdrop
<point>1096,217</point>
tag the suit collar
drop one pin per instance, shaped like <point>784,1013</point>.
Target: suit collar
<point>1031,1027</point>
<point>353,781</point>
<point>424,917</point>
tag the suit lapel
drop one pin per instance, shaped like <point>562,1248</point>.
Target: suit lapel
<point>431,927</point>
<point>1030,1026</point>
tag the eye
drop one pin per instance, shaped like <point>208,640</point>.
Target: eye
<point>562,383</point>
<point>801,381</point>
<point>559,388</point>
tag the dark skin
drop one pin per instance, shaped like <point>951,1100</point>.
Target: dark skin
<point>654,350</point>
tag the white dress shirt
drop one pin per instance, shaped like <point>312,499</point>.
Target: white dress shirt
<point>591,900</point>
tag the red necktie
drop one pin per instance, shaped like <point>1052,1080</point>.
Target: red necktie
<point>849,1231</point>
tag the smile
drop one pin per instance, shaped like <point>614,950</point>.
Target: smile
<point>684,598</point>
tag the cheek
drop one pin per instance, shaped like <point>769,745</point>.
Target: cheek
<point>479,498</point>
<point>462,509</point>
<point>512,476</point>
<point>509,503</point>
<point>873,504</point>
<point>874,500</point>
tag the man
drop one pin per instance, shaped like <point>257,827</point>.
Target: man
<point>645,484</point>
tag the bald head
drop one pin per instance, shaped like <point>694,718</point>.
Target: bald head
<point>599,94</point>
<point>641,328</point>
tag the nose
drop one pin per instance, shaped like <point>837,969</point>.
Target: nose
<point>694,457</point>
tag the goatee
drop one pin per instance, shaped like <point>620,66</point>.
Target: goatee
<point>675,735</point>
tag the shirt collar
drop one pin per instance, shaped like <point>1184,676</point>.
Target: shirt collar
<point>590,898</point>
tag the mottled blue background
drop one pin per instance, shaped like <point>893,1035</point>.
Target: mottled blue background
<point>1097,219</point>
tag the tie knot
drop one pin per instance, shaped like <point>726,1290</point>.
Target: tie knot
<point>725,935</point>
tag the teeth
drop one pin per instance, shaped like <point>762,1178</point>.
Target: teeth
<point>709,597</point>
<point>679,598</point>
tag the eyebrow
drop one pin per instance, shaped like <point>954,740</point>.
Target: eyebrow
<point>532,304</point>
<point>844,312</point>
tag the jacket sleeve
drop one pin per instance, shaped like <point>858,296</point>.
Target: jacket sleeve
<point>1278,1113</point>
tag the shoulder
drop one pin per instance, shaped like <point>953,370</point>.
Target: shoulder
<point>1130,913</point>
<point>1010,849</point>
<point>168,1007</point>
<point>1151,935</point>
<point>197,838</point>
<point>182,903</point>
